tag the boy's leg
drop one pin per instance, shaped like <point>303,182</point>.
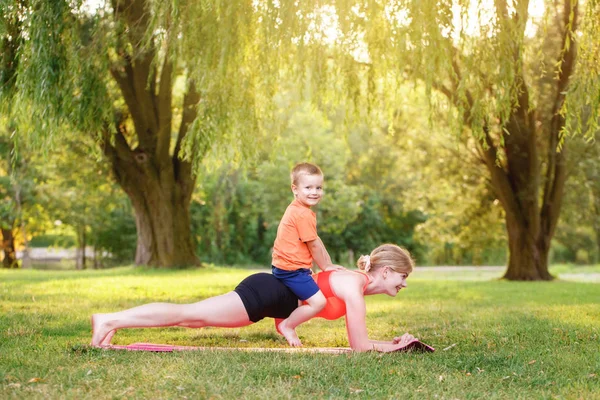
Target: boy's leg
<point>301,314</point>
<point>278,321</point>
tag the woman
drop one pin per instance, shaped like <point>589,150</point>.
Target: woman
<point>261,295</point>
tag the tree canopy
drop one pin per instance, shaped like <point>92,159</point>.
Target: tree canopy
<point>162,84</point>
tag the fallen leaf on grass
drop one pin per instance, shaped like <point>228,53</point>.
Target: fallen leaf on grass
<point>355,390</point>
<point>34,380</point>
<point>10,378</point>
<point>449,347</point>
<point>14,385</point>
<point>441,378</point>
<point>129,389</point>
<point>531,362</point>
<point>591,375</point>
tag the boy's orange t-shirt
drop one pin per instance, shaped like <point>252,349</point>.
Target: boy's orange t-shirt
<point>297,226</point>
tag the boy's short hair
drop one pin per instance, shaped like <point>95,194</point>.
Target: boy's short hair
<point>304,169</point>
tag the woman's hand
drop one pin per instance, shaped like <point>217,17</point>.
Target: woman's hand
<point>404,339</point>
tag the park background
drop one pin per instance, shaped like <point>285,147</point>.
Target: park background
<point>108,121</point>
<point>155,139</point>
<point>465,133</point>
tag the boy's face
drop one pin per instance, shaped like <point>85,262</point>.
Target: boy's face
<point>309,189</point>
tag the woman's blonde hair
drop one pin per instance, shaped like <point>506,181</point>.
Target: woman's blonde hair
<point>395,257</point>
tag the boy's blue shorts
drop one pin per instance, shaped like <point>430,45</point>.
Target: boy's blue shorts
<point>299,281</point>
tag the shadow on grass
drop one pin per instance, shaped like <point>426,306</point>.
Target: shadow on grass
<point>28,276</point>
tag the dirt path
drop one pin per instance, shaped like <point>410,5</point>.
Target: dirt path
<point>491,272</point>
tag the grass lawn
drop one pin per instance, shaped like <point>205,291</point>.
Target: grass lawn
<point>494,339</point>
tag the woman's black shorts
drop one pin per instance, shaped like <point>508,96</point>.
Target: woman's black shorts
<point>264,295</point>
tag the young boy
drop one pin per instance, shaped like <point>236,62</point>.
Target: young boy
<point>297,246</point>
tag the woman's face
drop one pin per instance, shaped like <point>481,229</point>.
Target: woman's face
<point>394,281</point>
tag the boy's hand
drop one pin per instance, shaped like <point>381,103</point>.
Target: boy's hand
<point>334,267</point>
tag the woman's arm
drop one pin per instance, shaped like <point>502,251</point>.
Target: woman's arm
<point>401,340</point>
<point>348,287</point>
<point>357,331</point>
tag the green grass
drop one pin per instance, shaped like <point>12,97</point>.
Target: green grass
<point>509,341</point>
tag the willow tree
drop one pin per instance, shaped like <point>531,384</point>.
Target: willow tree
<point>513,77</point>
<point>158,84</point>
<point>513,82</point>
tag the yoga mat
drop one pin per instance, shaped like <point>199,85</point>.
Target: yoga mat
<point>415,345</point>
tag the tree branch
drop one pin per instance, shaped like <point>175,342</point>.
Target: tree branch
<point>183,169</point>
<point>164,110</point>
<point>519,18</point>
<point>556,172</point>
<point>501,183</point>
<point>489,153</point>
<point>445,91</point>
<point>139,72</point>
<point>124,161</point>
<point>120,150</point>
<point>124,78</point>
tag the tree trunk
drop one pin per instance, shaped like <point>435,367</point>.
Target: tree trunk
<point>160,194</point>
<point>162,219</point>
<point>25,259</point>
<point>8,246</point>
<point>529,225</point>
<point>164,234</point>
<point>80,254</point>
<point>96,259</point>
<point>597,230</point>
<point>596,218</point>
<point>528,258</point>
<point>146,165</point>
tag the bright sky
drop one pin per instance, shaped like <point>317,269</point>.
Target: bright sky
<point>90,6</point>
<point>480,13</point>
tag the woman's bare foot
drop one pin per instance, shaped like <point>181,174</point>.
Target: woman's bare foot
<point>108,338</point>
<point>289,334</point>
<point>100,330</point>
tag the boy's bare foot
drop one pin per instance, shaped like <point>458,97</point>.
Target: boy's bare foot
<point>289,334</point>
<point>100,332</point>
<point>278,321</point>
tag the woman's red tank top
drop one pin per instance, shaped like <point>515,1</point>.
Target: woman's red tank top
<point>335,307</point>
